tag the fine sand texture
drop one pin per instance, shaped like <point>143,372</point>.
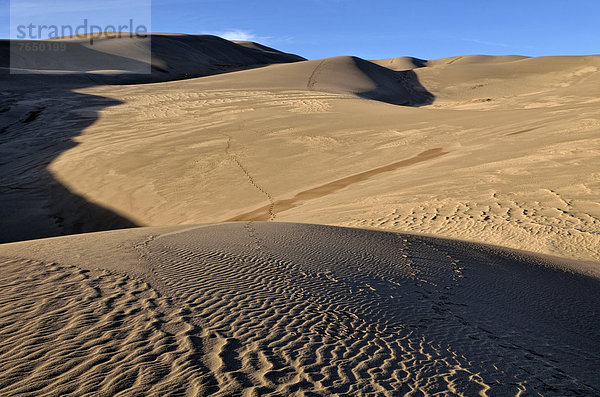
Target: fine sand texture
<point>502,150</point>
<point>328,227</point>
<point>276,309</point>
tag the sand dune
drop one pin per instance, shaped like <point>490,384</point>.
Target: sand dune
<point>159,57</point>
<point>501,79</point>
<point>342,75</point>
<point>274,309</point>
<point>401,63</point>
<point>498,150</point>
<point>520,137</point>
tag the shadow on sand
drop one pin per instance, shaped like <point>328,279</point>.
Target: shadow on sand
<point>38,122</point>
<point>395,87</point>
<point>41,114</point>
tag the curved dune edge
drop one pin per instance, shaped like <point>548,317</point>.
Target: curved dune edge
<point>282,309</point>
<point>522,137</point>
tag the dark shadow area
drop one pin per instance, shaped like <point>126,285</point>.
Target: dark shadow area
<point>41,114</point>
<point>369,80</point>
<point>395,87</point>
<point>38,126</point>
<point>419,63</point>
<point>402,63</point>
<point>158,58</point>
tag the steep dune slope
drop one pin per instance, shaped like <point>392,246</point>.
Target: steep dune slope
<point>401,63</point>
<point>41,112</point>
<point>344,75</point>
<point>515,141</point>
<point>519,170</point>
<point>284,308</point>
<point>159,57</point>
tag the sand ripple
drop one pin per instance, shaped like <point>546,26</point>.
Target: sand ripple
<point>290,309</point>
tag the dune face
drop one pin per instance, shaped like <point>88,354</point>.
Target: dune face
<point>368,80</point>
<point>274,308</point>
<point>401,63</point>
<point>520,137</point>
<point>37,126</point>
<point>125,59</point>
<point>40,114</point>
<point>263,151</point>
<point>341,75</point>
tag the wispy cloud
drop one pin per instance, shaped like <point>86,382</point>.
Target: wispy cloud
<point>238,34</point>
<point>484,42</point>
<point>248,35</point>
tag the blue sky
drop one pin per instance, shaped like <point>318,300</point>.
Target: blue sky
<point>379,29</point>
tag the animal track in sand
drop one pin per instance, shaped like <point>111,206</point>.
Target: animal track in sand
<point>312,79</point>
<point>269,212</point>
<point>383,316</point>
<point>550,223</point>
<point>270,207</point>
<point>279,309</point>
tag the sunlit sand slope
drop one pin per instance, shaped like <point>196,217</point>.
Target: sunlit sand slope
<point>504,150</point>
<point>508,153</point>
<point>290,309</point>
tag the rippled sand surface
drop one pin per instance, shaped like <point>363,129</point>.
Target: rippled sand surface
<point>280,309</point>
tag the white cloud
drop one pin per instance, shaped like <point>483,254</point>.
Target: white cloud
<point>488,43</point>
<point>247,35</point>
<point>241,35</point>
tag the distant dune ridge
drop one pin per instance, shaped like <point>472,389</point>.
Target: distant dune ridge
<point>350,75</point>
<point>114,60</point>
<point>502,150</point>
